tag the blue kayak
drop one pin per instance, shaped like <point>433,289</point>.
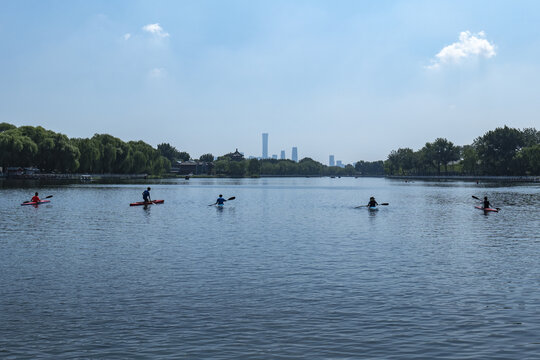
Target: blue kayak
<point>373,208</point>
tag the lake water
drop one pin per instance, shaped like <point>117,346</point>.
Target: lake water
<point>288,270</point>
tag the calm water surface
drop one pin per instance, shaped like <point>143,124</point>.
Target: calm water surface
<point>288,270</point>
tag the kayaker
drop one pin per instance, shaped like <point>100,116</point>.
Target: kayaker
<point>146,195</point>
<point>372,202</point>
<point>220,200</point>
<point>35,198</point>
<point>486,203</point>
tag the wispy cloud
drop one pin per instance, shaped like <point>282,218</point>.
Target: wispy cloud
<point>126,36</point>
<point>157,73</point>
<point>469,46</point>
<point>156,30</point>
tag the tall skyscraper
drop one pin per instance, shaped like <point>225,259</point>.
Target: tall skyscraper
<point>282,157</point>
<point>331,161</point>
<point>265,146</point>
<point>294,155</point>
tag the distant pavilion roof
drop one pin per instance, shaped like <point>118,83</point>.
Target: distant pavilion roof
<point>237,155</point>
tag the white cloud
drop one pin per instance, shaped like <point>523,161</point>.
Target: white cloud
<point>469,46</point>
<point>156,30</point>
<point>157,73</point>
<point>126,36</point>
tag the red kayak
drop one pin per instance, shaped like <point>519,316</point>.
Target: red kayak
<point>36,202</point>
<point>147,203</point>
<point>486,209</point>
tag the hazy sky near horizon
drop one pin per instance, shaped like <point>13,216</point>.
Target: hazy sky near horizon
<point>355,79</point>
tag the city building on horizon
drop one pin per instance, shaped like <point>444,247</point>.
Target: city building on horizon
<point>339,164</point>
<point>331,161</point>
<point>294,154</point>
<point>282,157</point>
<point>274,156</point>
<point>265,145</point>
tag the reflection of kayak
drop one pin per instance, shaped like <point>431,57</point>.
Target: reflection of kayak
<point>486,209</point>
<point>147,203</point>
<point>36,202</point>
<point>373,208</point>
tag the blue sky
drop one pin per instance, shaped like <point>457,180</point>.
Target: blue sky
<point>356,79</point>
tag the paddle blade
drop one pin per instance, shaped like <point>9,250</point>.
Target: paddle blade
<point>231,198</point>
<point>384,204</point>
<point>48,197</point>
<point>474,197</point>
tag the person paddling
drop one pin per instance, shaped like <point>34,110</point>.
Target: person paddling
<point>35,198</point>
<point>220,200</point>
<point>486,203</point>
<point>146,195</point>
<point>372,202</point>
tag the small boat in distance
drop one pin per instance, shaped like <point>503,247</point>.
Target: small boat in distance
<point>147,202</point>
<point>486,209</point>
<point>36,202</point>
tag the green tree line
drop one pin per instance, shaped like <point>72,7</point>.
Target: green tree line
<point>503,151</point>
<point>49,151</point>
<point>224,166</point>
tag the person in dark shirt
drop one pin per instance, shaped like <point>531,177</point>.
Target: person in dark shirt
<point>372,202</point>
<point>486,203</point>
<point>146,195</point>
<point>220,200</point>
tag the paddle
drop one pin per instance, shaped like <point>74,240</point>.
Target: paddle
<point>474,197</point>
<point>231,198</point>
<point>46,197</point>
<point>383,204</point>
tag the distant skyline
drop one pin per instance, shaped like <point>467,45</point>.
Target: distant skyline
<point>294,154</point>
<point>264,146</point>
<point>352,78</point>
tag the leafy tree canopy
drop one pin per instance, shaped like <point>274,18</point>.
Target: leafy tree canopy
<point>206,158</point>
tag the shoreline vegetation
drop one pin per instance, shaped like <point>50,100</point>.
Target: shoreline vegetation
<point>27,152</point>
<point>106,178</point>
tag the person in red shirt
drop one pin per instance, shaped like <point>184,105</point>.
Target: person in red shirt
<point>35,198</point>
